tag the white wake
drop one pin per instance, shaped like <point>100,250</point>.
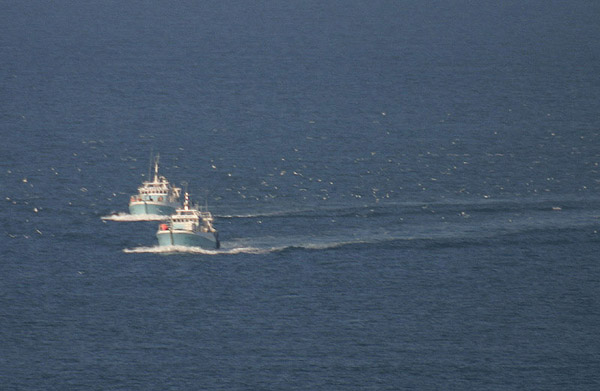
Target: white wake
<point>128,217</point>
<point>195,250</point>
<point>243,249</point>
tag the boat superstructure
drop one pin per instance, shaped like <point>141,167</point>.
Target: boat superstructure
<point>155,197</point>
<point>189,226</point>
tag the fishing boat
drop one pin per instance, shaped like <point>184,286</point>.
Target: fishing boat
<point>189,226</point>
<point>155,197</point>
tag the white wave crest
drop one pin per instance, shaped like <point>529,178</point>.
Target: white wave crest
<point>128,217</point>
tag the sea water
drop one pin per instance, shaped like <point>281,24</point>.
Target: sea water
<point>407,195</point>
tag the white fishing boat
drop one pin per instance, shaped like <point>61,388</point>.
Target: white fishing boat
<point>189,226</point>
<point>155,197</point>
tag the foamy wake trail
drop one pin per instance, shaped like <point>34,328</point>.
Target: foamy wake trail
<point>194,250</point>
<point>128,217</point>
<point>264,249</point>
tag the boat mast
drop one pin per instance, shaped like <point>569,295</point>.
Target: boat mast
<point>156,167</point>
<point>150,163</point>
<point>186,202</point>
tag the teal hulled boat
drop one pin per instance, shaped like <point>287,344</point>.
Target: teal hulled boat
<point>156,197</point>
<point>189,227</point>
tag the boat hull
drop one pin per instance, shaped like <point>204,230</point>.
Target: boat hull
<point>206,240</point>
<point>151,208</point>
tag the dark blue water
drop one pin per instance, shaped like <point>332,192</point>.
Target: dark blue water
<point>408,195</point>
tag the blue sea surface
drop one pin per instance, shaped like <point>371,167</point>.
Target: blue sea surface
<point>407,194</point>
